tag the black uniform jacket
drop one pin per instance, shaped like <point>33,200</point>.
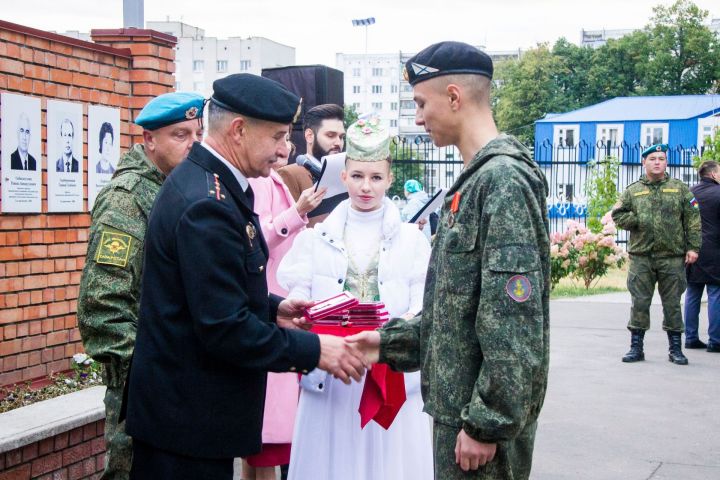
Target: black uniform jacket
<point>206,336</point>
<point>707,267</point>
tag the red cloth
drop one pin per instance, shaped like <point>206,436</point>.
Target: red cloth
<point>272,455</point>
<point>384,391</point>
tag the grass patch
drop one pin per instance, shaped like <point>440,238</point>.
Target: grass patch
<point>614,281</point>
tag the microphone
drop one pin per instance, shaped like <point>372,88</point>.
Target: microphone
<point>311,165</point>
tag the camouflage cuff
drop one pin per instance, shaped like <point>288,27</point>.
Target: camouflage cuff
<point>115,374</point>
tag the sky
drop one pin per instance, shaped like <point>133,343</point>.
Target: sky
<point>318,29</point>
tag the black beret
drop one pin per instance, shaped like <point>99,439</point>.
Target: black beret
<point>447,58</point>
<point>256,97</point>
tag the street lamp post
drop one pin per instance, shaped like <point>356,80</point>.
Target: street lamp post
<point>364,22</point>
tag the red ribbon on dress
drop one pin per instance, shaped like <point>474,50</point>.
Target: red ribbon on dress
<point>384,391</point>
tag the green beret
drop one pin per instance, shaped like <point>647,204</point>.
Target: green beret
<point>170,108</point>
<point>256,97</point>
<point>658,147</point>
<point>447,58</point>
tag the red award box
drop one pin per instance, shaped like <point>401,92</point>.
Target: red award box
<point>330,306</point>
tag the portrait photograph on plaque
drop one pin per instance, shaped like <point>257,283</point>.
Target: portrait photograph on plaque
<point>21,160</point>
<point>65,156</point>
<point>103,148</point>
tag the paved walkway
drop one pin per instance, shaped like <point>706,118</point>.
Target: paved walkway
<point>606,420</point>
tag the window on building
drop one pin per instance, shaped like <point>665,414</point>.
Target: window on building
<point>393,88</point>
<point>565,142</point>
<point>407,87</point>
<point>356,106</point>
<point>407,105</point>
<point>608,139</point>
<point>222,65</point>
<point>393,123</point>
<point>356,88</point>
<point>393,105</point>
<point>244,65</point>
<point>707,127</point>
<point>198,65</point>
<point>377,105</point>
<point>377,72</point>
<point>377,89</point>
<point>356,72</point>
<point>652,133</point>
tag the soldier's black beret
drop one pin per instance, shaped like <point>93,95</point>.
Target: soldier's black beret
<point>256,97</point>
<point>447,58</point>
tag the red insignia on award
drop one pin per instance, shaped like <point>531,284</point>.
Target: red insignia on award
<point>519,288</point>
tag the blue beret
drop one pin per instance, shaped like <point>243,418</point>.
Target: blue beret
<point>413,186</point>
<point>447,58</point>
<point>170,108</point>
<point>658,147</point>
<point>256,97</point>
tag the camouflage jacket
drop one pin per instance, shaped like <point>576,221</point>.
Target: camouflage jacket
<point>110,286</point>
<point>662,217</point>
<point>482,341</point>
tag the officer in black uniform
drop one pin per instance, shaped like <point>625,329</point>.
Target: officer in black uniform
<point>207,332</point>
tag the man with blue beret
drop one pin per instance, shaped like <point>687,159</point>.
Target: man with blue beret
<point>663,219</point>
<point>208,331</point>
<point>482,342</point>
<point>110,286</point>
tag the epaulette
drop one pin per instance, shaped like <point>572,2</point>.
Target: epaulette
<point>126,181</point>
<point>214,187</point>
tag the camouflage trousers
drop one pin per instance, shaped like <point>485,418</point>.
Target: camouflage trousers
<point>669,274</point>
<point>513,459</point>
<point>118,445</point>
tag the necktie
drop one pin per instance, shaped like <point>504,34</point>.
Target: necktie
<point>26,164</point>
<point>67,166</point>
<point>250,196</point>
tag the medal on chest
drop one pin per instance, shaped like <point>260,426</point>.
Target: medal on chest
<point>251,233</point>
<point>454,207</point>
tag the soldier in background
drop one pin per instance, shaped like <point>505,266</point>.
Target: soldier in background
<point>483,352</point>
<point>663,219</point>
<point>705,273</point>
<point>110,286</point>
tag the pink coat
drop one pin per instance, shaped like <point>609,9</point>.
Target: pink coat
<point>280,223</point>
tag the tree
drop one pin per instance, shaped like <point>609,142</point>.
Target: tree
<point>601,191</point>
<point>711,150</point>
<point>571,80</point>
<point>406,165</point>
<point>525,91</point>
<point>684,53</point>
<point>615,68</point>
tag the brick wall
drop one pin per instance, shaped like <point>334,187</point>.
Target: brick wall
<point>42,255</point>
<point>79,453</point>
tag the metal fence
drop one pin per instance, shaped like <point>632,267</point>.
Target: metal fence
<point>566,169</point>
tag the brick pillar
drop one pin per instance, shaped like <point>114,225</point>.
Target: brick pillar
<point>151,68</point>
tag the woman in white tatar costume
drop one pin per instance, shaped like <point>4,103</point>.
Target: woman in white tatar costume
<point>364,248</point>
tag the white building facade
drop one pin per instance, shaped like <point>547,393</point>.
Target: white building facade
<point>200,60</point>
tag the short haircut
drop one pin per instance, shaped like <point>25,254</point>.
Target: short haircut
<point>707,168</point>
<point>314,117</point>
<point>67,120</point>
<point>105,128</point>
<point>218,116</point>
<point>478,86</point>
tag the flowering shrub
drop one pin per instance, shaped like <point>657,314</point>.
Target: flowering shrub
<point>585,255</point>
<point>86,373</point>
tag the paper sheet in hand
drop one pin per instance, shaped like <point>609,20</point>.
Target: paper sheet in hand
<point>332,166</point>
<point>433,204</point>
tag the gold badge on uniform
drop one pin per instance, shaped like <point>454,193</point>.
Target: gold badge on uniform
<point>114,249</point>
<point>251,232</point>
<point>297,113</point>
<point>406,77</point>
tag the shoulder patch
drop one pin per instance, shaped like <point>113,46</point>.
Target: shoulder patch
<point>114,249</point>
<point>671,190</point>
<point>519,288</point>
<point>643,192</point>
<point>694,203</point>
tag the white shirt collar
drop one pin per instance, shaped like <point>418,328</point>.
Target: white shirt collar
<point>237,173</point>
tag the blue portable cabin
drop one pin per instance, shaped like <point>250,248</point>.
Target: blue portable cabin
<point>623,126</point>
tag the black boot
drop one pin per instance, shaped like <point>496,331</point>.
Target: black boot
<point>676,355</point>
<point>636,353</point>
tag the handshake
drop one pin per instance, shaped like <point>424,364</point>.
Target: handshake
<point>345,358</point>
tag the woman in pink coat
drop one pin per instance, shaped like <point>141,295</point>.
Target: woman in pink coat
<point>281,219</point>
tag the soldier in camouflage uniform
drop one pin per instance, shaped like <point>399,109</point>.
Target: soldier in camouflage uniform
<point>482,341</point>
<point>110,286</point>
<point>664,223</point>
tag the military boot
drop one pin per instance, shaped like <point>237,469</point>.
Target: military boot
<point>636,353</point>
<point>676,355</point>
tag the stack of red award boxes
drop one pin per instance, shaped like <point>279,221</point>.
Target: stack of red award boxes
<point>344,310</point>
